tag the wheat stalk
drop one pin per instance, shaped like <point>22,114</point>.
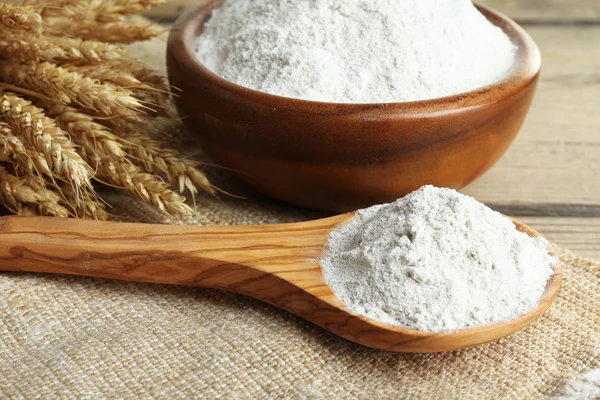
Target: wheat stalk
<point>45,137</point>
<point>70,87</point>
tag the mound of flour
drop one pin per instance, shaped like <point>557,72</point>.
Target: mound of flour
<point>355,51</point>
<point>437,261</point>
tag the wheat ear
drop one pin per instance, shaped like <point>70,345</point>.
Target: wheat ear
<point>93,137</point>
<point>148,76</point>
<point>26,210</point>
<point>45,137</point>
<point>155,88</point>
<point>156,158</point>
<point>11,146</point>
<point>84,205</point>
<point>58,7</point>
<point>25,161</point>
<point>16,193</point>
<point>107,73</point>
<point>88,51</point>
<point>26,47</point>
<point>102,150</point>
<point>142,185</point>
<point>100,10</point>
<point>144,141</point>
<point>114,10</point>
<point>21,18</point>
<point>112,32</point>
<point>40,164</point>
<point>70,87</point>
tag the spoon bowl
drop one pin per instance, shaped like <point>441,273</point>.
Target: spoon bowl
<point>277,264</point>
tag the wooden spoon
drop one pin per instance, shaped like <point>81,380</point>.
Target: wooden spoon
<point>273,263</point>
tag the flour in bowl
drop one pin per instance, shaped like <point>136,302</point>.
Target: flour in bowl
<point>436,260</point>
<point>355,51</point>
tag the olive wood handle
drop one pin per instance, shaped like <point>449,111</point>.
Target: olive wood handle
<point>265,262</point>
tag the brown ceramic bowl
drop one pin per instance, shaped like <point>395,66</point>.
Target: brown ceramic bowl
<point>341,157</point>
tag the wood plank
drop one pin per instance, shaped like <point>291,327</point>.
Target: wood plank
<point>541,173</point>
<point>548,11</point>
<point>547,210</point>
<point>579,235</point>
<point>555,159</point>
<point>528,11</point>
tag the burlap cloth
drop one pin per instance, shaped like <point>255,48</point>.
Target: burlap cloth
<point>66,337</point>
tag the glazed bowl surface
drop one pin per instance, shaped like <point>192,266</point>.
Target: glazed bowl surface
<point>342,157</point>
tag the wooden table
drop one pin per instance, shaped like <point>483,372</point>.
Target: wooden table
<point>550,178</point>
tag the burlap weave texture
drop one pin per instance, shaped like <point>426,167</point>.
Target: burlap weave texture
<point>65,337</point>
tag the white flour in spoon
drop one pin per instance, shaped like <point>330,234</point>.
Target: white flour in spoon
<point>355,51</point>
<point>437,261</point>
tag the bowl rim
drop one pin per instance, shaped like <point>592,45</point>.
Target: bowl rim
<point>524,71</point>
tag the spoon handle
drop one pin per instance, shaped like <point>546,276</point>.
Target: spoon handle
<point>245,259</point>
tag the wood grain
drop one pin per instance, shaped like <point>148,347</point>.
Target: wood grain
<point>579,235</point>
<point>555,157</point>
<point>548,210</point>
<point>548,11</point>
<point>273,263</point>
<point>535,11</point>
